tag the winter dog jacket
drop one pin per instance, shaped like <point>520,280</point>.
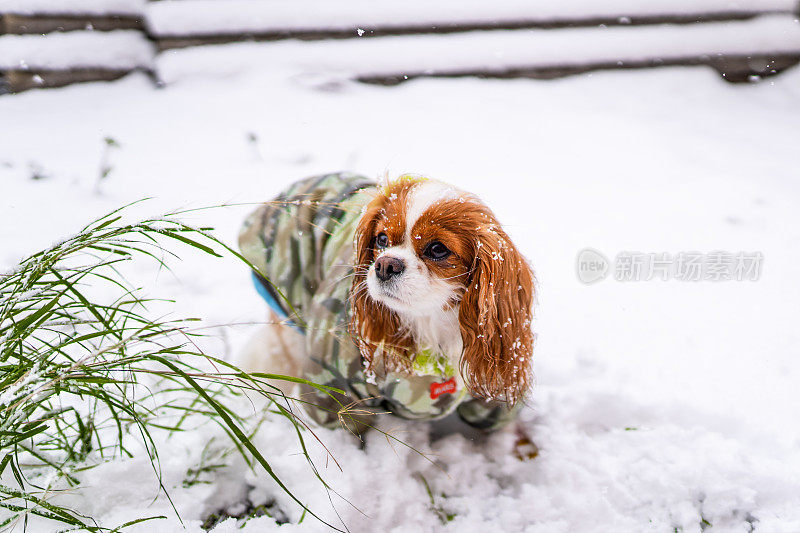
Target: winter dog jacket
<point>302,246</point>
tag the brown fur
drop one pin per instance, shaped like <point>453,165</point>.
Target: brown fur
<point>495,300</point>
<point>371,323</point>
<point>495,314</point>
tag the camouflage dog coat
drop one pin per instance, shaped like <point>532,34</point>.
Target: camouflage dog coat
<point>302,245</point>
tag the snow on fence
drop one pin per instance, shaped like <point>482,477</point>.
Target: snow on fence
<point>51,43</point>
<point>46,43</point>
<point>179,23</point>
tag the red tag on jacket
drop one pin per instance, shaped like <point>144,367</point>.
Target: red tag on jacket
<point>447,387</point>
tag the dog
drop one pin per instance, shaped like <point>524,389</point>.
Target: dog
<point>407,295</point>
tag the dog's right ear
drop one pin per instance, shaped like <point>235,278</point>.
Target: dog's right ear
<point>495,316</point>
<point>374,327</point>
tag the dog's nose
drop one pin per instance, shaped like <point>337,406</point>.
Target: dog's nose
<point>387,267</point>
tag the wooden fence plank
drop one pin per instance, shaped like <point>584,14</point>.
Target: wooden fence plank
<point>27,24</point>
<point>21,80</point>
<point>168,42</point>
<point>732,68</point>
<point>203,18</point>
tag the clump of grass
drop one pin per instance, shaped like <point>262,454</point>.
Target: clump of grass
<point>440,512</point>
<point>81,375</point>
<point>109,144</point>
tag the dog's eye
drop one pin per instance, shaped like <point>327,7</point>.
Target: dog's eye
<point>436,251</point>
<point>381,241</point>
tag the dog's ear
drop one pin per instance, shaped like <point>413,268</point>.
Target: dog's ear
<point>373,326</point>
<point>495,316</point>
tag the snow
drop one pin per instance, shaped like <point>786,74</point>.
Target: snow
<point>657,406</point>
<point>488,50</point>
<point>205,17</point>
<point>175,17</point>
<point>498,50</point>
<point>119,49</point>
<point>209,17</point>
<point>73,7</point>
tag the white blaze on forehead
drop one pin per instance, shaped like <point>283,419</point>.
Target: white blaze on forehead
<point>423,196</point>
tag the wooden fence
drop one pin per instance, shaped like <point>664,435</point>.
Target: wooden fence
<point>110,45</point>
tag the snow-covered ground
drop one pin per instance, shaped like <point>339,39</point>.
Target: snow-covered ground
<point>658,406</point>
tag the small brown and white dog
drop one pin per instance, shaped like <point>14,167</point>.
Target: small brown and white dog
<point>427,292</point>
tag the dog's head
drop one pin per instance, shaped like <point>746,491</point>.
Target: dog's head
<point>425,250</point>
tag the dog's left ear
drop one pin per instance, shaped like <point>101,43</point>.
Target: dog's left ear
<point>374,327</point>
<point>495,316</point>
